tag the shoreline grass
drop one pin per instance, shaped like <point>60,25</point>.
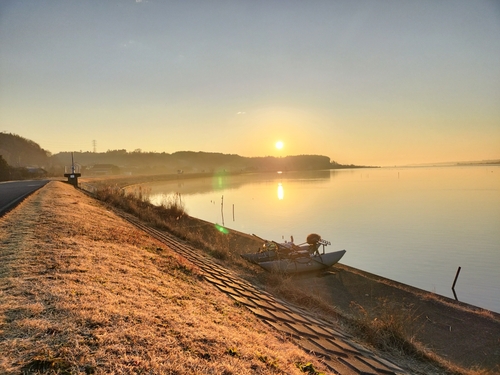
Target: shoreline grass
<point>170,215</point>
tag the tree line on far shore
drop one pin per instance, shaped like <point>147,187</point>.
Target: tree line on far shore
<point>21,158</point>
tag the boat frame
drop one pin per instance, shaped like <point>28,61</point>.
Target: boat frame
<point>290,258</point>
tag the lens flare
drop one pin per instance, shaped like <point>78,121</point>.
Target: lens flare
<point>221,229</point>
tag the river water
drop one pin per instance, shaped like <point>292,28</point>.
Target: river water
<point>413,225</point>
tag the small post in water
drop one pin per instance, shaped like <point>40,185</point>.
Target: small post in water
<point>222,209</point>
<point>455,281</point>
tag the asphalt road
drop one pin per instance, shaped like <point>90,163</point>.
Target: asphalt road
<point>12,193</point>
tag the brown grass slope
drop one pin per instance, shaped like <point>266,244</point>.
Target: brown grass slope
<point>82,291</point>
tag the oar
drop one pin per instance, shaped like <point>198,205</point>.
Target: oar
<point>291,248</point>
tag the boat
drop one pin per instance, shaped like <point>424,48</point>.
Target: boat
<point>288,257</point>
<point>308,263</point>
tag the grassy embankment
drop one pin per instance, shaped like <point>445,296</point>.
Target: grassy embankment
<point>83,291</point>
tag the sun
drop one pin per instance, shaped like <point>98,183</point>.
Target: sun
<point>279,145</point>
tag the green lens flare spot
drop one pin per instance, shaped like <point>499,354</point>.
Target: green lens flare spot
<point>221,229</point>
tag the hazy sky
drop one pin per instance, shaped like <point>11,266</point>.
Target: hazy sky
<point>365,82</point>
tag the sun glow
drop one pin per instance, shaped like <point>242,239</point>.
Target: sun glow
<point>279,145</point>
<point>281,192</point>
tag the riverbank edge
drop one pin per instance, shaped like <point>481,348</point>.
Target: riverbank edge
<point>448,330</point>
<point>371,277</point>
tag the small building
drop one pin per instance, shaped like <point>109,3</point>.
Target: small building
<point>104,170</point>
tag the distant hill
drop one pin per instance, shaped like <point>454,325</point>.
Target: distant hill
<point>21,152</point>
<point>21,158</point>
<point>454,163</point>
<point>481,162</point>
<point>24,154</point>
<point>194,162</point>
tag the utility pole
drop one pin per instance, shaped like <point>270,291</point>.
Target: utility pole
<point>93,145</point>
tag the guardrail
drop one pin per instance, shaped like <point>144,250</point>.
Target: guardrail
<point>87,187</point>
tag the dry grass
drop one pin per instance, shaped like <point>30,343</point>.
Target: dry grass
<point>436,297</point>
<point>82,291</point>
<point>387,326</point>
<point>171,216</point>
<point>393,329</point>
<point>283,285</point>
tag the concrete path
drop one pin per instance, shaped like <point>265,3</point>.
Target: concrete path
<point>335,348</point>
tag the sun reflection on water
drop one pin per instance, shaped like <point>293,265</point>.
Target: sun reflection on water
<point>281,192</point>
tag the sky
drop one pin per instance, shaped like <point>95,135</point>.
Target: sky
<point>390,82</point>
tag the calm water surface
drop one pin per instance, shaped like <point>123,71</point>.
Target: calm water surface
<point>413,225</point>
